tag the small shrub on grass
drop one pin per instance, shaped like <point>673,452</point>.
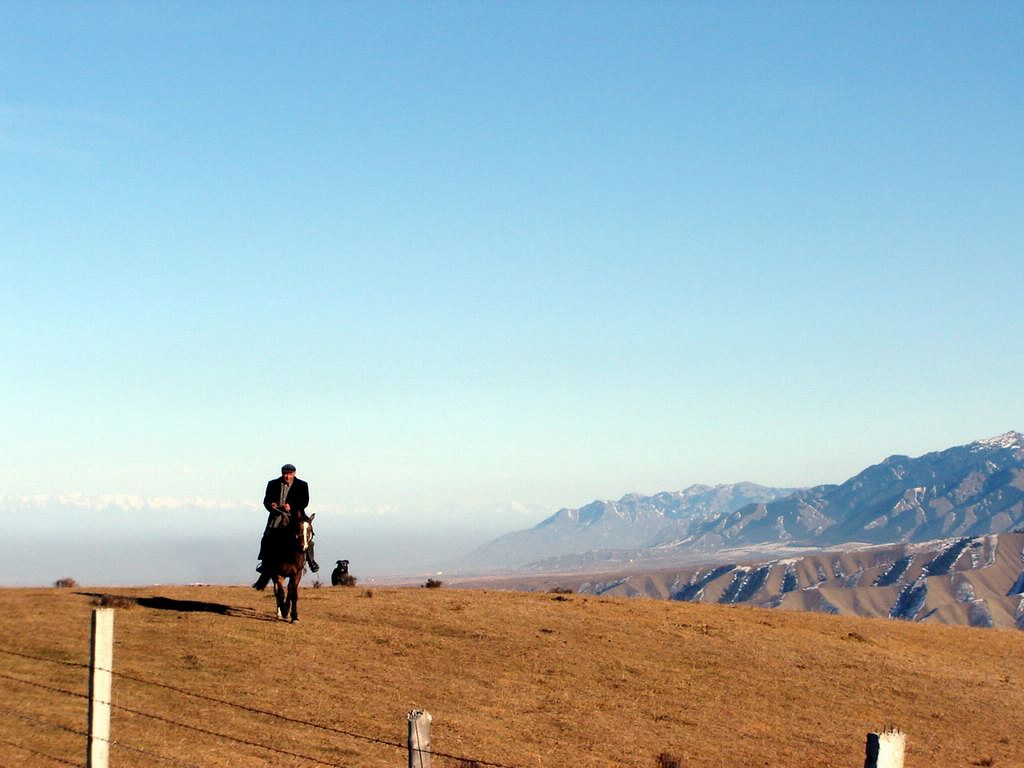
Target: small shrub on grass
<point>560,591</point>
<point>317,584</point>
<point>191,661</point>
<point>66,583</point>
<point>665,760</point>
<point>348,580</point>
<point>368,593</point>
<point>433,584</point>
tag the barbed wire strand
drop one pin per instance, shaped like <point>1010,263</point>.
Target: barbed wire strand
<point>117,744</point>
<point>228,737</point>
<point>37,753</point>
<point>225,702</point>
<point>36,723</point>
<point>44,686</point>
<point>23,655</point>
<point>269,713</point>
<point>187,726</point>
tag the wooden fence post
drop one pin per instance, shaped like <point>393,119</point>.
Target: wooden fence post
<point>419,738</point>
<point>885,749</point>
<point>101,662</point>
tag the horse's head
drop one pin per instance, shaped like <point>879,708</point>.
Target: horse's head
<point>305,533</point>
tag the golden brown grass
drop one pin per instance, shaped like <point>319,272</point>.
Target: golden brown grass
<point>521,679</point>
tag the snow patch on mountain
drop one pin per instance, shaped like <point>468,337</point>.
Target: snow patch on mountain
<point>1006,440</point>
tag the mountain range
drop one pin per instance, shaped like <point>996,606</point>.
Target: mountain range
<point>964,491</point>
<point>974,581</point>
<point>634,522</point>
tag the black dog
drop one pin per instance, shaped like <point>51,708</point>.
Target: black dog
<point>340,573</point>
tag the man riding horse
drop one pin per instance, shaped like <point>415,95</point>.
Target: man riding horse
<point>286,500</point>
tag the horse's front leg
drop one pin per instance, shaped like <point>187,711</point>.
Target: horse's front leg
<point>293,597</point>
<point>280,597</point>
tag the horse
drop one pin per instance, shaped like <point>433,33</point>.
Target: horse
<point>289,562</point>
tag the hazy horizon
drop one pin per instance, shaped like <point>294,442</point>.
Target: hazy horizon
<point>136,542</point>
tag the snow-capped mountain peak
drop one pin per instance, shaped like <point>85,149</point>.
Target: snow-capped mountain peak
<point>1009,439</point>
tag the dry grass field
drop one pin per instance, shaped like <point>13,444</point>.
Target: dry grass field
<point>529,680</point>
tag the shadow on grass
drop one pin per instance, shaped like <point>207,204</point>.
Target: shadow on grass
<point>159,603</point>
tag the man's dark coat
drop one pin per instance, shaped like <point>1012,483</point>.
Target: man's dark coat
<point>298,500</point>
<point>298,495</point>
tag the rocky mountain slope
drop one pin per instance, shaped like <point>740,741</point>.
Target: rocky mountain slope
<point>976,581</point>
<point>965,491</point>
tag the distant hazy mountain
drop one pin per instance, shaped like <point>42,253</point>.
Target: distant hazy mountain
<point>634,521</point>
<point>963,491</point>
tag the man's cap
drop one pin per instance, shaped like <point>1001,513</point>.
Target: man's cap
<point>287,468</point>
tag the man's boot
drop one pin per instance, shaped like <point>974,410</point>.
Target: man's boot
<point>309,559</point>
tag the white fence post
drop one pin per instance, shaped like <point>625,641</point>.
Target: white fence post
<point>419,738</point>
<point>101,662</point>
<point>885,749</point>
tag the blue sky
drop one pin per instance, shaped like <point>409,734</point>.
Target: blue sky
<point>457,255</point>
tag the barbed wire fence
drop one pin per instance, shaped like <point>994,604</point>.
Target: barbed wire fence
<point>418,750</point>
<point>884,749</point>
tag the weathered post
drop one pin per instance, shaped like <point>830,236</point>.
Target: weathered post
<point>101,662</point>
<point>885,749</point>
<point>419,738</point>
